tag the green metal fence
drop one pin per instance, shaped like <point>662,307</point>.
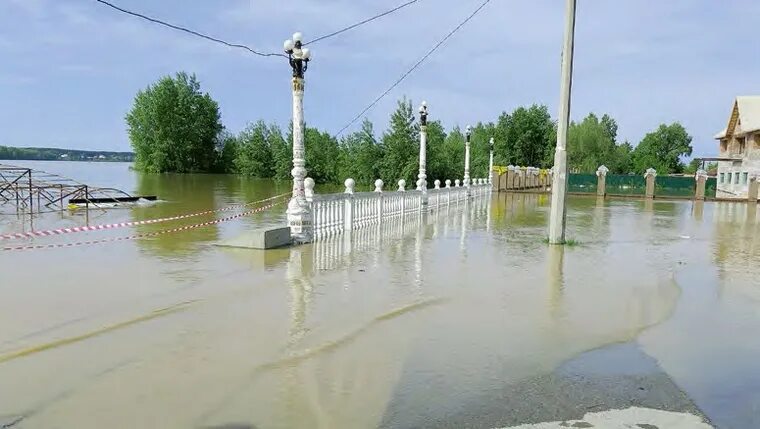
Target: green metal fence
<point>674,186</point>
<point>635,184</point>
<point>711,187</point>
<point>583,183</point>
<point>630,184</point>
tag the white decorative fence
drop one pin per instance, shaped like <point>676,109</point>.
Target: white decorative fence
<point>334,214</point>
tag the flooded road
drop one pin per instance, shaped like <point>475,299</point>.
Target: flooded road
<point>456,317</point>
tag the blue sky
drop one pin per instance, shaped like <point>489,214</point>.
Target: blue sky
<point>71,68</point>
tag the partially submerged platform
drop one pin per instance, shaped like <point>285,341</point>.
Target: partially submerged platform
<point>29,190</point>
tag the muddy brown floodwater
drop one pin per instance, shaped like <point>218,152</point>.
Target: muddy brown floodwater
<point>395,327</point>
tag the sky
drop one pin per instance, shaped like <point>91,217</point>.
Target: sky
<point>71,68</point>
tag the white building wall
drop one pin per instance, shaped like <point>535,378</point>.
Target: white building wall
<point>733,176</point>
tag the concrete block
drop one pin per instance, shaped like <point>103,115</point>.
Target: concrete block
<point>265,238</point>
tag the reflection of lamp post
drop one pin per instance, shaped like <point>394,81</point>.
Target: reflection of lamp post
<point>490,161</point>
<point>467,134</point>
<point>421,178</point>
<point>299,211</point>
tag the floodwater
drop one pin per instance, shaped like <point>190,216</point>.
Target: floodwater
<point>394,327</point>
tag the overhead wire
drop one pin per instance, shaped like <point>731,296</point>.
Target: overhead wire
<point>414,67</point>
<point>352,26</point>
<point>189,31</point>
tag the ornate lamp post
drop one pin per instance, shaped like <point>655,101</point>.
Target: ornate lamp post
<point>467,134</point>
<point>490,161</point>
<point>422,176</point>
<point>299,210</point>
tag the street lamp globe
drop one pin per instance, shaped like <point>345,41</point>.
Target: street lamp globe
<point>297,36</point>
<point>288,46</point>
<point>468,131</point>
<point>306,54</point>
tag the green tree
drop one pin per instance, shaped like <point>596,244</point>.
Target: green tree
<point>360,156</point>
<point>662,149</point>
<point>401,146</point>
<point>282,154</point>
<point>623,159</point>
<point>531,137</point>
<point>610,127</point>
<point>480,149</point>
<point>322,153</point>
<point>590,143</point>
<point>227,151</point>
<point>437,160</point>
<point>255,150</point>
<point>453,152</point>
<point>174,127</point>
<point>693,166</point>
<point>502,152</point>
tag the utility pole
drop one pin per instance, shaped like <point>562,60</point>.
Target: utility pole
<point>559,178</point>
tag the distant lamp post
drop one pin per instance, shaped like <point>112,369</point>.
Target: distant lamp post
<point>299,210</point>
<point>422,176</point>
<point>490,161</point>
<point>467,134</point>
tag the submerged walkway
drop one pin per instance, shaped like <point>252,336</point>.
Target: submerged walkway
<point>458,319</point>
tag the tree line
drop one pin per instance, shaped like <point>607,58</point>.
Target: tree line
<point>54,154</point>
<point>175,127</point>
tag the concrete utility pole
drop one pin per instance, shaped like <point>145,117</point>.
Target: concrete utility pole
<point>299,209</point>
<point>422,176</point>
<point>559,182</point>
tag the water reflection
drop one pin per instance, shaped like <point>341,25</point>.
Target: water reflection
<point>698,208</point>
<point>556,280</point>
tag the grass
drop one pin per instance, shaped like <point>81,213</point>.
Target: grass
<point>570,242</point>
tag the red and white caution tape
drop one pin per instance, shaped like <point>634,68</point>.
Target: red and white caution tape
<point>60,231</point>
<point>138,236</point>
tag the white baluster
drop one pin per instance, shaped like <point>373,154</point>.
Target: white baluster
<point>380,200</point>
<point>308,188</point>
<point>348,215</point>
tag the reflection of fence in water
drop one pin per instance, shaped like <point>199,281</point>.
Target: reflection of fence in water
<point>335,252</point>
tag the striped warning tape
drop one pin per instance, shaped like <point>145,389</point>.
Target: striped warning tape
<point>60,231</point>
<point>138,236</point>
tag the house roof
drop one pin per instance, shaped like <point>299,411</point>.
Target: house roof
<point>745,116</point>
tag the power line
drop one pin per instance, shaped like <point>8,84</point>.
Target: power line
<point>187,30</point>
<point>350,27</point>
<point>414,67</point>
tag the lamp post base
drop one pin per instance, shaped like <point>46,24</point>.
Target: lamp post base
<point>300,220</point>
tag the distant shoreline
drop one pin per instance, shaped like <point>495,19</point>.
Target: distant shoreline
<point>9,153</point>
<point>11,161</point>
